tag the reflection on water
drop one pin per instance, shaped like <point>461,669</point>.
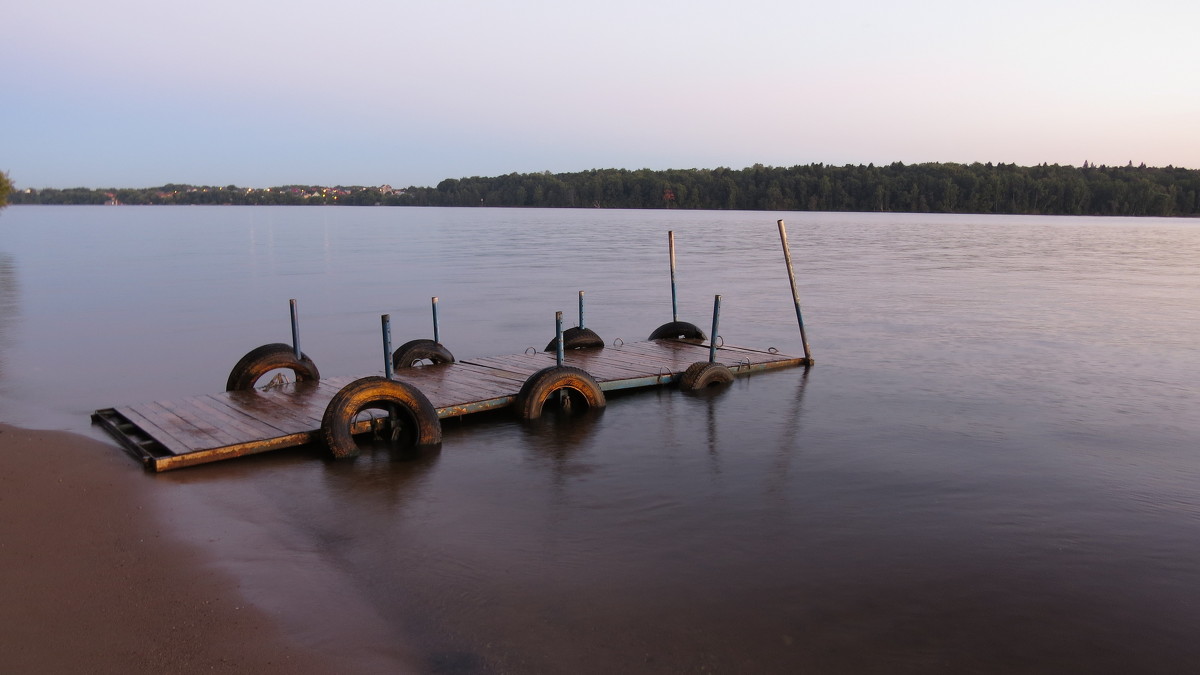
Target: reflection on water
<point>9,306</point>
<point>992,468</point>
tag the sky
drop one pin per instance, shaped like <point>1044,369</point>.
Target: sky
<point>257,93</point>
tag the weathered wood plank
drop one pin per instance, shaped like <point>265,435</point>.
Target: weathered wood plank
<point>176,439</point>
<point>279,414</point>
<point>164,437</point>
<point>665,349</point>
<point>647,361</point>
<point>498,375</point>
<point>191,436</point>
<point>274,425</point>
<point>204,425</point>
<point>606,365</point>
<point>515,362</point>
<point>671,360</point>
<point>227,452</point>
<point>248,427</point>
<point>454,384</point>
<point>308,398</point>
<point>296,407</point>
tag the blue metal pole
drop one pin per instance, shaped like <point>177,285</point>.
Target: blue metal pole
<point>787,258</point>
<point>581,326</point>
<point>712,341</point>
<point>386,321</point>
<point>674,300</point>
<point>558,353</point>
<point>295,329</point>
<point>436,331</point>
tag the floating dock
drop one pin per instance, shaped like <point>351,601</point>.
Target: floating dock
<point>174,434</point>
<point>413,398</point>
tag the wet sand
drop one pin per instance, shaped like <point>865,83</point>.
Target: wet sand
<point>92,584</point>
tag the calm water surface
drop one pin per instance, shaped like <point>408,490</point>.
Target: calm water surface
<point>994,466</point>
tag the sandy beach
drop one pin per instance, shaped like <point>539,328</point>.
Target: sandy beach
<point>92,584</point>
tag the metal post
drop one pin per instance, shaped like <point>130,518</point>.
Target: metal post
<point>674,300</point>
<point>295,329</point>
<point>581,326</point>
<point>386,321</point>
<point>436,333</point>
<point>712,341</point>
<point>787,258</point>
<point>558,353</point>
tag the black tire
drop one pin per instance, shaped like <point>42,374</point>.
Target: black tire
<point>425,429</point>
<point>678,330</point>
<point>577,338</point>
<point>266,358</point>
<point>702,374</point>
<point>412,351</point>
<point>538,388</point>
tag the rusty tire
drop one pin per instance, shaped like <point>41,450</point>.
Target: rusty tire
<point>538,388</point>
<point>678,330</point>
<point>412,351</point>
<point>373,392</point>
<point>266,358</point>
<point>577,338</point>
<point>702,374</point>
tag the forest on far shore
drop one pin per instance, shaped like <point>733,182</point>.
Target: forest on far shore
<point>916,188</point>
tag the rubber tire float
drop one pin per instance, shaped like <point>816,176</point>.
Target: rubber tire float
<point>264,359</point>
<point>375,391</point>
<point>678,330</point>
<point>412,351</point>
<point>538,388</point>
<point>703,374</point>
<point>577,338</point>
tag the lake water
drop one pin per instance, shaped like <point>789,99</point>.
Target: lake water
<point>993,467</point>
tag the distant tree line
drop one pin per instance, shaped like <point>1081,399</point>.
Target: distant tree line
<point>207,194</point>
<point>5,188</point>
<point>922,188</point>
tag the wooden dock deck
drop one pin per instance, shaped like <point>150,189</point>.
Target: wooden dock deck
<point>173,434</point>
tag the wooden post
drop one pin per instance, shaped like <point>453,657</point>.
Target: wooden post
<point>559,356</point>
<point>712,341</point>
<point>436,333</point>
<point>386,321</point>
<point>787,258</point>
<point>295,329</point>
<point>674,300</point>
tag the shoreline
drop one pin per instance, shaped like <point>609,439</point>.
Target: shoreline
<point>93,582</point>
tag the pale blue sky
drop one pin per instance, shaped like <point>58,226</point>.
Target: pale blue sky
<point>134,93</point>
